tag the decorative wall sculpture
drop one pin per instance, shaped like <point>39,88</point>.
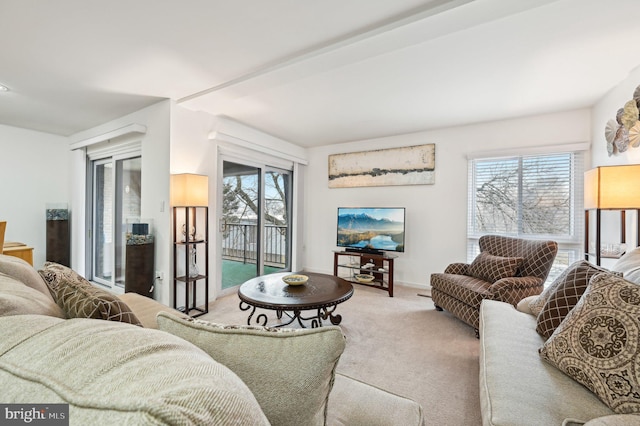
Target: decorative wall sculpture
<point>624,131</point>
<point>411,165</point>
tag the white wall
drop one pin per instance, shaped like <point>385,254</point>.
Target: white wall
<point>193,152</point>
<point>604,110</point>
<point>436,215</point>
<point>196,142</point>
<point>155,187</point>
<point>34,170</point>
<point>177,140</point>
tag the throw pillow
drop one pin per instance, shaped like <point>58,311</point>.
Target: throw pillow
<point>78,298</point>
<point>569,288</point>
<point>536,305</point>
<point>524,305</point>
<point>629,265</point>
<point>598,343</point>
<point>492,268</point>
<point>23,272</point>
<point>111,373</point>
<point>290,371</point>
<point>16,298</point>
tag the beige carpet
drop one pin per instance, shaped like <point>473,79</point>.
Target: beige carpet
<point>403,345</point>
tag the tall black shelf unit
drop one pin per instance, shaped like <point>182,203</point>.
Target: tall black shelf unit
<point>201,248</point>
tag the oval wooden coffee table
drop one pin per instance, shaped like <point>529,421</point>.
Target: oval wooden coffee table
<point>322,294</point>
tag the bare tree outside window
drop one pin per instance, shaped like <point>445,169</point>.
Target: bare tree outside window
<point>528,197</point>
<point>240,194</point>
<point>243,238</point>
<point>524,196</point>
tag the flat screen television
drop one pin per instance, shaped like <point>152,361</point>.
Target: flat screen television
<point>371,229</point>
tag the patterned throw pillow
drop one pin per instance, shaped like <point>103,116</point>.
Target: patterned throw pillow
<point>537,304</point>
<point>598,342</point>
<point>568,289</point>
<point>290,371</point>
<point>492,268</point>
<point>79,299</point>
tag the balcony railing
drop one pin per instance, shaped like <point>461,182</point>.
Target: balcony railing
<point>239,243</point>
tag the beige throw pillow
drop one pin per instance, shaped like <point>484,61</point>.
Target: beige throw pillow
<point>492,268</point>
<point>23,272</point>
<point>18,299</point>
<point>629,265</point>
<point>78,298</point>
<point>289,371</point>
<point>598,343</point>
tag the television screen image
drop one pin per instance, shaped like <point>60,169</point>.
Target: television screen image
<point>371,229</point>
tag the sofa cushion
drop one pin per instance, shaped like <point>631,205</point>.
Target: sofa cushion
<point>78,298</point>
<point>19,299</point>
<point>146,309</point>
<point>290,371</point>
<point>492,268</point>
<point>598,343</point>
<point>23,272</point>
<point>615,420</point>
<point>353,402</point>
<point>113,373</point>
<point>568,290</point>
<point>516,386</point>
<point>469,290</point>
<point>612,420</point>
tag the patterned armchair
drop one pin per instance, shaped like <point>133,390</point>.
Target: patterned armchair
<point>507,269</point>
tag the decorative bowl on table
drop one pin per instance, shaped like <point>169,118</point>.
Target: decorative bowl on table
<point>364,278</point>
<point>295,279</point>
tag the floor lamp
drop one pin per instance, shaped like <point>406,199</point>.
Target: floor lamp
<point>611,188</point>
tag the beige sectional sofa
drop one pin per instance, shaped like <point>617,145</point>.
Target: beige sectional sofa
<point>529,378</point>
<point>130,360</point>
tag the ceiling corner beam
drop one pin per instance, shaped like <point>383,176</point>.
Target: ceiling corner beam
<point>431,9</point>
<point>122,131</point>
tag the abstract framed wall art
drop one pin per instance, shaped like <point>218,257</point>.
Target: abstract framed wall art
<point>409,165</point>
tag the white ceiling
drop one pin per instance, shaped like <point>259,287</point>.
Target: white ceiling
<point>312,72</point>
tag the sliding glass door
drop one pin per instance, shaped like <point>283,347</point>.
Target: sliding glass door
<point>116,200</point>
<point>255,222</point>
<point>277,225</point>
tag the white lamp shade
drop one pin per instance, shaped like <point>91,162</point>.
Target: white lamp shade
<point>612,187</point>
<point>189,190</point>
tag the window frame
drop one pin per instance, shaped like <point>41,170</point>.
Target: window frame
<point>570,246</point>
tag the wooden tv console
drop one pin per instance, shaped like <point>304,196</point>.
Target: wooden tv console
<point>348,264</point>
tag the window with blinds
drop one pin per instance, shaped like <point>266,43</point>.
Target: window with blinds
<point>531,196</point>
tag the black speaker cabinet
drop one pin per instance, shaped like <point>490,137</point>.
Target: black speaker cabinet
<point>58,242</point>
<point>139,274</point>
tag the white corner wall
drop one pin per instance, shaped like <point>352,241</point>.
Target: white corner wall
<point>34,169</point>
<point>604,110</point>
<point>196,140</point>
<point>436,215</point>
<point>155,186</point>
<point>193,152</point>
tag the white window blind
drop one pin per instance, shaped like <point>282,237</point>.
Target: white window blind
<point>530,196</point>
